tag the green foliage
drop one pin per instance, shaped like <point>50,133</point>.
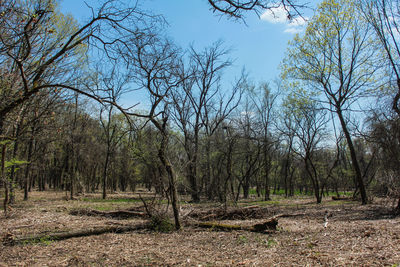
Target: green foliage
<point>44,240</point>
<point>271,242</point>
<point>336,51</point>
<point>242,239</point>
<point>15,163</point>
<point>162,224</point>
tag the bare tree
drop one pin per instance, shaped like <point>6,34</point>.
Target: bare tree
<point>266,116</point>
<point>153,62</point>
<point>384,16</point>
<point>309,129</point>
<point>237,8</point>
<point>41,56</point>
<point>198,90</point>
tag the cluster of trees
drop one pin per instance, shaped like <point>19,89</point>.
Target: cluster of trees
<point>330,124</point>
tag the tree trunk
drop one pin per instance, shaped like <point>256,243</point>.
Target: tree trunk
<point>191,169</point>
<point>28,166</point>
<point>105,174</point>
<point>171,178</point>
<point>266,175</point>
<point>209,179</point>
<point>3,177</point>
<point>353,155</point>
<point>14,155</point>
<point>396,99</point>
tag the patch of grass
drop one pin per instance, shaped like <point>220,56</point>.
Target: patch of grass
<point>111,200</point>
<point>242,239</point>
<point>269,202</point>
<point>271,242</point>
<point>45,240</point>
<point>104,208</point>
<point>146,260</point>
<point>340,202</point>
<point>99,207</point>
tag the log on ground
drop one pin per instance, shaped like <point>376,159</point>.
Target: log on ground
<point>265,227</point>
<point>11,240</point>
<point>119,214</point>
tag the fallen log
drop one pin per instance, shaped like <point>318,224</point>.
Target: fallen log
<point>119,214</point>
<point>265,227</point>
<point>268,226</point>
<point>253,212</point>
<point>342,198</point>
<point>12,240</point>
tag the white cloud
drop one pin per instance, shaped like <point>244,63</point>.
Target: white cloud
<point>293,30</point>
<point>278,15</point>
<point>275,15</point>
<point>297,22</point>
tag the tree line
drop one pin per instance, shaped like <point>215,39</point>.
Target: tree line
<point>328,125</point>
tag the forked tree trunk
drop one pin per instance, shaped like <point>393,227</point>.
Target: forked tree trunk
<point>171,178</point>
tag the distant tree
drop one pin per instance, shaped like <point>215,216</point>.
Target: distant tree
<point>197,90</point>
<point>384,136</point>
<point>266,116</point>
<point>309,129</point>
<point>248,148</point>
<point>197,95</point>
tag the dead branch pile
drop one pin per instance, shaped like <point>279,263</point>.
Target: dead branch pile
<point>119,214</point>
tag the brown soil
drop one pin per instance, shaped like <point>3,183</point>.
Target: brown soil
<point>355,236</point>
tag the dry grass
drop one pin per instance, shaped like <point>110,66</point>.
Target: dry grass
<point>355,236</point>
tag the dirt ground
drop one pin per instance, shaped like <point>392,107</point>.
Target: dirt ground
<point>354,236</point>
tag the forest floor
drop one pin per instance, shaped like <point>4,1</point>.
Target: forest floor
<point>354,236</point>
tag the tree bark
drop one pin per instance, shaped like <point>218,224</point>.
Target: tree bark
<point>353,155</point>
<point>3,177</point>
<point>266,173</point>
<point>169,170</point>
<point>28,166</point>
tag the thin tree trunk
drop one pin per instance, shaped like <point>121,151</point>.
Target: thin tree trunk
<point>3,177</point>
<point>396,99</point>
<point>353,155</point>
<point>266,175</point>
<point>28,166</point>
<point>14,155</point>
<point>105,174</point>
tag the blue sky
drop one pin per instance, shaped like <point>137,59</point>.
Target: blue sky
<point>258,46</point>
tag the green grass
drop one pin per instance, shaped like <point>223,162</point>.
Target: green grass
<point>111,200</point>
<point>44,240</point>
<point>242,239</point>
<point>339,202</point>
<point>266,203</point>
